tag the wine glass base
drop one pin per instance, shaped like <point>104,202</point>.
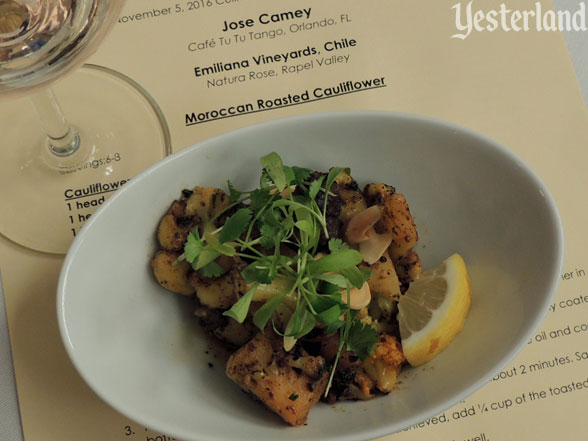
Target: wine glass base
<point>45,209</point>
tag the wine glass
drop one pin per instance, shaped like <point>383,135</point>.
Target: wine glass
<point>54,172</point>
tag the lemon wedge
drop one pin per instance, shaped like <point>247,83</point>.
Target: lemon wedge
<point>433,309</point>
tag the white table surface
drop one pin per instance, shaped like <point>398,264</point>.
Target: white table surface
<point>10,427</point>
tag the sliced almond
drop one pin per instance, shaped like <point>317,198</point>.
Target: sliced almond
<point>361,223</point>
<point>374,247</point>
<point>357,298</point>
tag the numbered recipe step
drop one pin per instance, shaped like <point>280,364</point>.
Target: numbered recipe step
<point>142,433</point>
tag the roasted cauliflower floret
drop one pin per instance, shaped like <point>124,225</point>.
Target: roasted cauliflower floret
<point>352,200</point>
<point>216,292</point>
<point>175,226</point>
<point>396,217</point>
<point>289,384</point>
<point>350,380</point>
<point>174,277</point>
<point>206,203</point>
<point>408,267</point>
<point>225,328</point>
<point>383,280</point>
<point>385,363</point>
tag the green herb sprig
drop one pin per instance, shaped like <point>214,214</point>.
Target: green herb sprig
<point>267,221</point>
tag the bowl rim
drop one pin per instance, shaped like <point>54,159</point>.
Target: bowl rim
<point>484,142</point>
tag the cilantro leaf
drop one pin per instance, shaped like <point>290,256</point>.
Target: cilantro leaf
<point>301,174</point>
<point>235,225</point>
<point>259,199</point>
<point>193,246</point>
<point>308,321</point>
<point>207,255</point>
<point>362,339</point>
<point>306,226</point>
<point>212,270</point>
<point>330,315</point>
<point>315,187</point>
<point>322,303</point>
<point>265,179</point>
<point>333,173</point>
<point>240,309</point>
<point>336,279</point>
<point>301,322</point>
<point>328,312</point>
<point>263,314</point>
<point>334,326</point>
<point>329,288</point>
<point>272,229</point>
<point>263,271</point>
<point>336,244</point>
<point>356,276</point>
<point>234,194</point>
<point>335,261</point>
<point>268,237</point>
<point>290,175</point>
<point>272,163</point>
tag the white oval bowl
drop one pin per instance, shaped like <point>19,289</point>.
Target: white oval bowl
<point>138,346</point>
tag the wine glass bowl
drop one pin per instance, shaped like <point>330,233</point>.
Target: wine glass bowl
<point>42,40</point>
<point>101,131</point>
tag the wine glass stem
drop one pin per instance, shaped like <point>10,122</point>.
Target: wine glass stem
<point>63,140</point>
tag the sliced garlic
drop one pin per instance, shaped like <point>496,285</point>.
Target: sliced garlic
<point>360,224</point>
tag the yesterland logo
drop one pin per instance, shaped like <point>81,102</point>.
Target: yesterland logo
<point>467,19</point>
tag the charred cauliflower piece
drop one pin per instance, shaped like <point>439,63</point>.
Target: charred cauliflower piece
<point>225,328</point>
<point>408,268</point>
<point>361,380</point>
<point>175,226</point>
<point>383,280</point>
<point>205,203</point>
<point>352,198</point>
<point>385,363</point>
<point>216,292</point>
<point>289,384</point>
<point>172,277</point>
<point>350,380</point>
<point>396,217</point>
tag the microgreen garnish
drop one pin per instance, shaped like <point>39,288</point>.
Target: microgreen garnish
<point>235,225</point>
<point>193,246</point>
<point>240,309</point>
<point>211,270</point>
<point>272,164</point>
<point>361,339</point>
<point>276,230</point>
